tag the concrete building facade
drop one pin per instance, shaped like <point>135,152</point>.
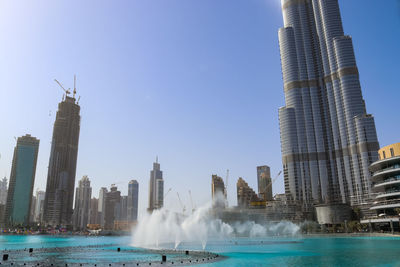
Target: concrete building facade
<point>22,180</point>
<point>58,205</point>
<point>386,186</point>
<point>82,204</point>
<point>328,139</point>
<point>245,194</point>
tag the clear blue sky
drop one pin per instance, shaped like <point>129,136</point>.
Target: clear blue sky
<point>197,83</point>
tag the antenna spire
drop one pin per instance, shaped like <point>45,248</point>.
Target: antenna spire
<point>156,159</point>
<point>74,85</point>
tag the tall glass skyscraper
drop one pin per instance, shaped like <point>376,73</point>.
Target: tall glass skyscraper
<point>22,180</point>
<point>327,138</point>
<point>133,199</point>
<point>62,165</point>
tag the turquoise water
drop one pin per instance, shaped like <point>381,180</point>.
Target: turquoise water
<point>317,251</point>
<point>336,251</point>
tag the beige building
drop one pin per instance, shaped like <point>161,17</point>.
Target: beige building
<point>245,194</point>
<point>264,183</point>
<point>218,192</point>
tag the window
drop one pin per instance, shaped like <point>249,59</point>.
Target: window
<point>384,155</point>
<point>391,152</point>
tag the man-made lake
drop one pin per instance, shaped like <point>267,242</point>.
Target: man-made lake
<point>299,251</point>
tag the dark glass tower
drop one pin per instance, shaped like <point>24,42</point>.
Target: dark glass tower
<point>327,138</point>
<point>133,200</point>
<point>62,166</point>
<point>22,180</point>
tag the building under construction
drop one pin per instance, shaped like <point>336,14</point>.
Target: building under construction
<point>62,164</point>
<point>218,192</point>
<point>245,194</point>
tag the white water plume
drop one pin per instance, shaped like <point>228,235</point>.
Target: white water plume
<point>166,227</point>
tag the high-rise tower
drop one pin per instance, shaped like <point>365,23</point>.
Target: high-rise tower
<point>327,138</point>
<point>39,206</point>
<point>22,180</point>
<point>3,191</point>
<point>156,188</point>
<point>112,199</point>
<point>82,204</point>
<point>133,199</point>
<point>62,165</point>
<point>102,205</point>
<point>264,183</point>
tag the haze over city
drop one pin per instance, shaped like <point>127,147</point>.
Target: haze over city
<point>197,84</point>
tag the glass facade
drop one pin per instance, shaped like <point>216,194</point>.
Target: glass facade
<point>22,180</point>
<point>328,140</point>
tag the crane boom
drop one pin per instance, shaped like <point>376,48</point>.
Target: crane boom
<point>191,201</point>
<point>169,190</point>
<point>273,181</point>
<point>67,92</point>
<point>180,202</point>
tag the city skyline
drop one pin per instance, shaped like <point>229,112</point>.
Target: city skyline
<point>171,162</point>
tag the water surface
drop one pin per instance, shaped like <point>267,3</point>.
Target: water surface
<point>298,251</point>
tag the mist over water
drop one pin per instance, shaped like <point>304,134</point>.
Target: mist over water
<point>164,227</point>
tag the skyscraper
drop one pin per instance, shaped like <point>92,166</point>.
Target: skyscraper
<point>39,206</point>
<point>102,205</point>
<point>22,180</point>
<point>94,211</point>
<point>264,183</point>
<point>327,138</point>
<point>62,165</point>
<point>121,209</point>
<point>218,192</point>
<point>156,188</point>
<point>112,199</point>
<point>82,203</point>
<point>3,191</point>
<point>133,200</point>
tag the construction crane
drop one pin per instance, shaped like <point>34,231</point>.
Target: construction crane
<point>273,181</point>
<point>169,190</point>
<point>67,92</point>
<point>262,202</point>
<point>180,202</point>
<point>191,201</point>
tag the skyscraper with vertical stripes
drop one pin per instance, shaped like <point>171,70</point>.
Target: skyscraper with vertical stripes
<point>328,139</point>
<point>59,196</point>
